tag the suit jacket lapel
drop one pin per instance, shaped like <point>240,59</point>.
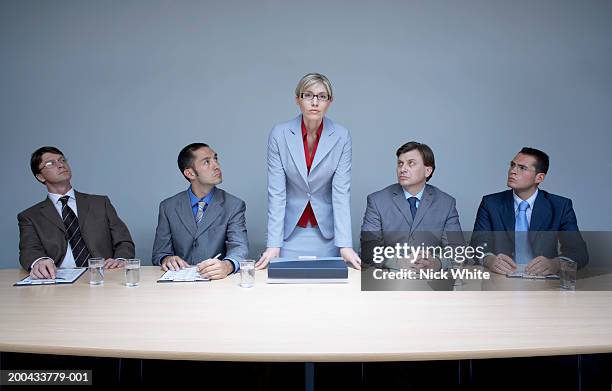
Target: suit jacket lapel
<point>185,214</point>
<point>541,216</point>
<point>82,202</point>
<point>212,212</point>
<point>425,203</point>
<point>400,201</point>
<point>48,210</point>
<point>508,216</point>
<point>295,143</point>
<point>329,138</point>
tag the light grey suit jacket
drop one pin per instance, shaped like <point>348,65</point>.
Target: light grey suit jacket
<point>388,220</point>
<point>327,186</point>
<point>222,230</point>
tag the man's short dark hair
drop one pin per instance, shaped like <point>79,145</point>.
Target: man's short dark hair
<point>426,153</point>
<point>185,157</point>
<point>542,160</point>
<point>36,158</point>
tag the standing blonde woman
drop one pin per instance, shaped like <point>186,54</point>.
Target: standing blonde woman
<point>309,181</point>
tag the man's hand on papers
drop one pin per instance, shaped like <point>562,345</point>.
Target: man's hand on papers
<point>44,268</point>
<point>174,263</point>
<point>214,268</point>
<point>542,266</point>
<point>500,263</point>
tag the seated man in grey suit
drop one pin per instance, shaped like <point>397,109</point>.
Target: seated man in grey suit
<point>412,211</point>
<point>203,225</point>
<point>68,227</point>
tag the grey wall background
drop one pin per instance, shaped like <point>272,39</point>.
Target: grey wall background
<point>122,86</point>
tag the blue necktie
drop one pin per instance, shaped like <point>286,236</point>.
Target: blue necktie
<point>200,213</point>
<point>522,247</point>
<point>413,207</point>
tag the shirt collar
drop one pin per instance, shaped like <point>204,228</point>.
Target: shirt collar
<point>194,199</point>
<point>530,200</point>
<point>319,131</point>
<point>55,197</point>
<point>419,195</point>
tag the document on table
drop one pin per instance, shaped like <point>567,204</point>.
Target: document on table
<point>189,274</point>
<point>62,276</point>
<point>520,273</point>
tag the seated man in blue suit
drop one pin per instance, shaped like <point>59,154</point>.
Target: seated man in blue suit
<point>528,226</point>
<point>203,225</point>
<point>412,211</point>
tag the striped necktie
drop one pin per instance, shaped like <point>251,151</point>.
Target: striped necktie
<point>73,233</point>
<point>200,214</point>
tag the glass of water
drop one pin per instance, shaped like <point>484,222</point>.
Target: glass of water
<point>247,273</point>
<point>567,274</point>
<point>132,272</point>
<point>96,271</point>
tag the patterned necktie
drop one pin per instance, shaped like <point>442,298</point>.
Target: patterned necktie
<point>522,247</point>
<point>413,206</point>
<point>73,232</point>
<point>200,214</point>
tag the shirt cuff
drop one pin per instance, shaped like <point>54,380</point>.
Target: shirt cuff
<point>33,263</point>
<point>235,263</point>
<point>343,245</point>
<point>566,259</point>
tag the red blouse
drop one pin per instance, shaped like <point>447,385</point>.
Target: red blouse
<point>308,214</point>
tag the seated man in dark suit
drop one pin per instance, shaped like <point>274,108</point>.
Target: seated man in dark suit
<point>68,227</point>
<point>526,226</point>
<point>197,224</point>
<point>412,211</point>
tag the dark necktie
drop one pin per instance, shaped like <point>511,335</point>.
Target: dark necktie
<point>73,233</point>
<point>413,207</point>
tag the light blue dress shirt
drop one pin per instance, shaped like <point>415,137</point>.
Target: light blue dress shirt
<point>194,207</point>
<point>418,196</point>
<point>530,201</point>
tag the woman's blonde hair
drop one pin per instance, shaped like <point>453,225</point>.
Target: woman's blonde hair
<point>313,78</point>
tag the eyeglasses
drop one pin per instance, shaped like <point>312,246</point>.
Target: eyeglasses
<point>54,163</point>
<point>310,96</point>
<point>521,167</point>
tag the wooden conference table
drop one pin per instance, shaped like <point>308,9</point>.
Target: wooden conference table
<point>221,321</point>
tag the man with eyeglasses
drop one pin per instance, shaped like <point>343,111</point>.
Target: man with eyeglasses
<point>68,227</point>
<point>526,227</point>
